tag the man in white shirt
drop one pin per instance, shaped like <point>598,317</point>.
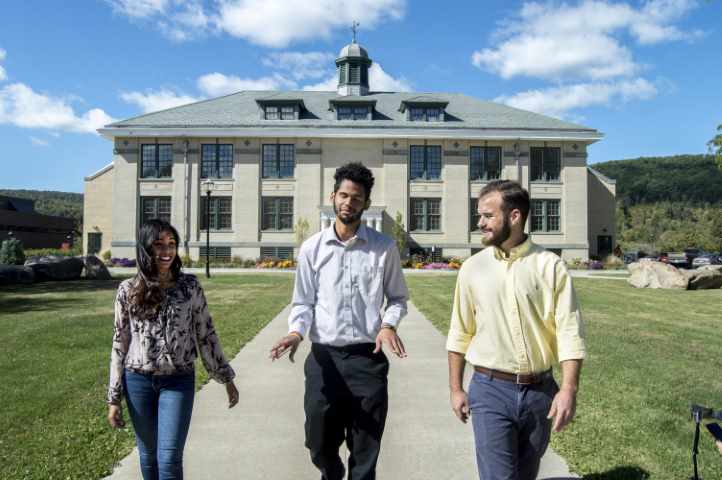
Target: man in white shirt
<point>343,274</point>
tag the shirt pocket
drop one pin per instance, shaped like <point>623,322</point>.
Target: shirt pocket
<point>371,284</point>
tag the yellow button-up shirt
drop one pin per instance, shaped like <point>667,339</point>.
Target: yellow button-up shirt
<point>518,314</point>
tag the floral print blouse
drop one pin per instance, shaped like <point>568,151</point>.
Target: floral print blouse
<point>166,344</point>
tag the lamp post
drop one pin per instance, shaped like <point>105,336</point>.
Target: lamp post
<point>208,184</point>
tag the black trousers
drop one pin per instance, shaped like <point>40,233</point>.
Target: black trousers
<point>346,399</point>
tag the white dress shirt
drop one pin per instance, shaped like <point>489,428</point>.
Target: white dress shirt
<point>340,287</point>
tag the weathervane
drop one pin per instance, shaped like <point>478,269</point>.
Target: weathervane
<point>354,27</point>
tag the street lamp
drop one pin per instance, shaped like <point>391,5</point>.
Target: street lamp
<point>208,185</point>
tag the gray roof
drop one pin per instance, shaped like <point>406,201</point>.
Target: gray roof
<point>240,110</point>
<point>353,50</point>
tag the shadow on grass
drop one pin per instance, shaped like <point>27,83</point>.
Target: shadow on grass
<point>625,472</point>
<point>20,298</point>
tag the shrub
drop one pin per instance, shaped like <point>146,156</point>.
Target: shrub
<point>11,252</point>
<point>55,252</point>
<point>613,262</point>
<point>106,256</point>
<point>122,262</point>
<point>187,261</point>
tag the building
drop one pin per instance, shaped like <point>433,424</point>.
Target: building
<point>271,157</point>
<point>18,219</point>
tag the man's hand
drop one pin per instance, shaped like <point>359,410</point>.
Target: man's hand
<point>460,405</point>
<point>389,339</point>
<point>719,446</point>
<point>232,393</point>
<point>563,408</point>
<point>115,416</point>
<point>289,343</point>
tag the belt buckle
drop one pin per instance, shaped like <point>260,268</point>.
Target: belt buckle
<point>519,382</point>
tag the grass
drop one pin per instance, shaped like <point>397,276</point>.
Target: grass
<point>650,354</point>
<point>55,348</point>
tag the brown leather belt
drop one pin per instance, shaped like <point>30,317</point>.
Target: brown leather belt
<point>518,378</point>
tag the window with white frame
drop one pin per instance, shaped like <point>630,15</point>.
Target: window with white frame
<point>546,164</point>
<point>484,163</point>
<point>425,162</point>
<point>277,213</point>
<point>216,161</point>
<point>545,216</point>
<point>425,214</point>
<point>156,161</point>
<point>279,161</point>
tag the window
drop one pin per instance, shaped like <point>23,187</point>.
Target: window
<point>352,113</point>
<point>277,213</point>
<point>425,162</point>
<point>279,161</point>
<point>95,240</point>
<point>545,216</point>
<point>280,112</point>
<point>355,73</point>
<point>223,253</point>
<point>485,163</point>
<point>432,254</point>
<point>283,253</point>
<point>154,207</point>
<point>220,213</point>
<point>474,215</point>
<point>545,164</point>
<point>425,114</point>
<point>216,161</point>
<point>425,214</point>
<point>342,73</point>
<point>156,161</point>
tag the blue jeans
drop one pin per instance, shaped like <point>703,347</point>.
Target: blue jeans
<point>160,408</point>
<point>511,430</point>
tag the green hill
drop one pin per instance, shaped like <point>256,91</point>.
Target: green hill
<point>61,204</point>
<point>681,178</point>
<point>667,203</point>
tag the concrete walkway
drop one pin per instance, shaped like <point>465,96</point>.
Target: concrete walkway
<point>262,438</point>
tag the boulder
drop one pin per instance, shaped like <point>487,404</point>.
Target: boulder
<point>95,269</point>
<point>703,278</point>
<point>55,267</point>
<point>652,274</point>
<point>13,274</point>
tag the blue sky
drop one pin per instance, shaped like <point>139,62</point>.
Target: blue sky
<point>645,73</point>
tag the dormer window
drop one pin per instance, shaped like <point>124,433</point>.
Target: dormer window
<point>280,112</point>
<point>424,109</point>
<point>353,113</point>
<point>275,108</point>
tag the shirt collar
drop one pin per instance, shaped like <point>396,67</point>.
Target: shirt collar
<point>515,253</point>
<point>329,235</point>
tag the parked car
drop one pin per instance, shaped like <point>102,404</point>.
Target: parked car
<point>663,257</point>
<point>706,259</point>
<point>692,253</point>
<point>678,259</point>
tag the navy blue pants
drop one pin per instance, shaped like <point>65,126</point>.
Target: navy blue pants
<point>160,408</point>
<point>511,430</point>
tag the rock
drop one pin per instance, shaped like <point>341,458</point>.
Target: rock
<point>14,274</point>
<point>652,274</point>
<point>703,278</point>
<point>55,267</point>
<point>95,269</point>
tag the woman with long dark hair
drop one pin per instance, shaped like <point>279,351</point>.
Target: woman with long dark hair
<point>161,324</point>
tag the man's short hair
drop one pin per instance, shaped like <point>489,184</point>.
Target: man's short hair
<point>513,196</point>
<point>357,173</point>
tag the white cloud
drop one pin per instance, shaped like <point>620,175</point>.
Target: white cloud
<point>558,101</point>
<point>139,8</point>
<point>3,74</point>
<point>277,23</point>
<point>301,65</point>
<point>379,81</point>
<point>152,101</point>
<point>558,41</point>
<point>23,107</point>
<point>217,84</point>
<point>39,141</point>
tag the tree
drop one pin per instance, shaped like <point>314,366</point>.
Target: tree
<point>300,230</point>
<point>11,252</point>
<point>399,234</point>
<point>715,146</point>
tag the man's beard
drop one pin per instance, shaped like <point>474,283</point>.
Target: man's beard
<point>348,219</point>
<point>498,238</point>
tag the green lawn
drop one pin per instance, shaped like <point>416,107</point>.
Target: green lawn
<point>54,352</point>
<point>650,353</point>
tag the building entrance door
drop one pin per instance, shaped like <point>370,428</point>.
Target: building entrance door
<point>604,245</point>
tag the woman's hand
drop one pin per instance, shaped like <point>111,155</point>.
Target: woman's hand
<point>232,392</point>
<point>115,416</point>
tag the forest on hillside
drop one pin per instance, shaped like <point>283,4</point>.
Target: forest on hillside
<point>667,203</point>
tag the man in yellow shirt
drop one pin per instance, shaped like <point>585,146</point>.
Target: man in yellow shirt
<point>515,314</point>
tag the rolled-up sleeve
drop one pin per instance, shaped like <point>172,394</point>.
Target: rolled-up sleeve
<point>462,326</point>
<point>211,352</point>
<point>304,295</point>
<point>119,350</point>
<point>567,317</point>
<point>395,290</point>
